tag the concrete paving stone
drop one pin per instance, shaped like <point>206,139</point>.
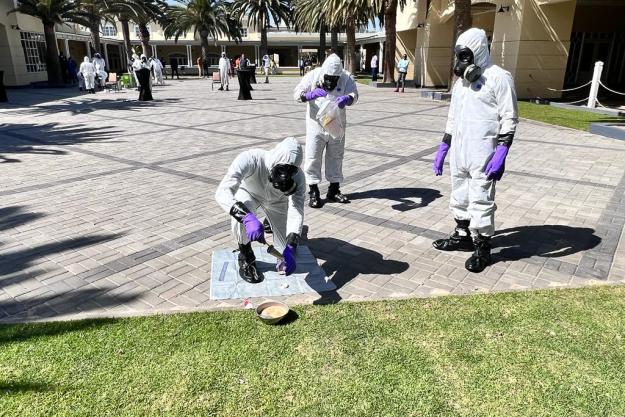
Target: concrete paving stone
<point>159,199</point>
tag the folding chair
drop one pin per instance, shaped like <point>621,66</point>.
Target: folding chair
<point>113,82</point>
<point>215,79</point>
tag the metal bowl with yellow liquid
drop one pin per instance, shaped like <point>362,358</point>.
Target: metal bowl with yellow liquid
<point>271,312</point>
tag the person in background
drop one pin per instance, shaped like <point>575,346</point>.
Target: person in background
<point>402,67</point>
<point>266,65</point>
<point>100,69</point>
<point>374,67</point>
<point>301,67</point>
<point>87,69</point>
<point>200,65</point>
<point>64,70</point>
<point>224,66</point>
<point>72,69</point>
<point>205,62</point>
<point>174,68</point>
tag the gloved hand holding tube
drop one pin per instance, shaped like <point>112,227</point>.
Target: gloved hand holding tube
<point>287,265</point>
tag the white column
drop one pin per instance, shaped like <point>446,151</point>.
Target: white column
<point>66,47</point>
<point>381,58</point>
<point>256,53</point>
<point>594,87</point>
<point>154,51</point>
<point>88,49</point>
<point>299,54</point>
<point>189,58</point>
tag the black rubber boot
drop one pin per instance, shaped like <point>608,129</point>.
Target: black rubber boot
<point>334,194</point>
<point>460,239</point>
<point>314,200</point>
<point>267,226</point>
<point>247,264</point>
<point>227,88</point>
<point>481,257</point>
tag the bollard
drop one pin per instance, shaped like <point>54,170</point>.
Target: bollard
<point>594,86</point>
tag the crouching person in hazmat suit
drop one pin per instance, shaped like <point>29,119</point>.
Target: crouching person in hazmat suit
<point>337,84</point>
<point>272,183</point>
<point>480,127</point>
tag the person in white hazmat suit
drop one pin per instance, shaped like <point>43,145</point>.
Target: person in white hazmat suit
<point>480,128</point>
<point>136,65</point>
<point>334,83</point>
<point>87,69</point>
<point>157,67</point>
<point>224,68</point>
<point>269,182</point>
<point>100,69</point>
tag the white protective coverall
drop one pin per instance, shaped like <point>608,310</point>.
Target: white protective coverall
<point>224,69</point>
<point>87,69</point>
<point>136,65</point>
<point>157,67</point>
<point>478,114</point>
<point>317,139</point>
<point>247,181</point>
<point>100,68</point>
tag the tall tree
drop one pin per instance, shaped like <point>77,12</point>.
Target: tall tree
<point>205,18</point>
<point>462,22</point>
<point>388,18</point>
<point>334,38</point>
<point>308,16</point>
<point>50,12</point>
<point>261,13</point>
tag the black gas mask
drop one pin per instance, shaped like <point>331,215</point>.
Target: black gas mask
<point>465,64</point>
<point>281,177</point>
<point>330,82</point>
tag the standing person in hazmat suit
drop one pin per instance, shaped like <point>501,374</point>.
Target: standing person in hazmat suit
<point>334,83</point>
<point>157,67</point>
<point>224,68</point>
<point>100,69</point>
<point>87,69</point>
<point>270,182</point>
<point>479,132</point>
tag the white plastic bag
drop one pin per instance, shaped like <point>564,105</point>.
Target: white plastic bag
<point>329,119</point>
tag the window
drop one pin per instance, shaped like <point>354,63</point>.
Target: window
<point>34,45</point>
<point>109,30</point>
<point>138,32</point>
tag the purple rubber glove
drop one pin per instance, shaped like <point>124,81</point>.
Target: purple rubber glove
<point>497,164</point>
<point>288,264</point>
<point>439,159</point>
<point>314,94</point>
<point>253,228</point>
<point>343,101</point>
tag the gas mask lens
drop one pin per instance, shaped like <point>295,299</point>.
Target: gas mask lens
<point>330,82</point>
<point>281,178</point>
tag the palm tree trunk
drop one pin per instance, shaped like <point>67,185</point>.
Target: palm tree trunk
<point>390,19</point>
<point>126,34</point>
<point>321,54</point>
<point>144,33</point>
<point>462,22</point>
<point>94,28</point>
<point>204,42</point>
<point>350,53</point>
<point>263,41</point>
<point>53,65</point>
<point>334,39</point>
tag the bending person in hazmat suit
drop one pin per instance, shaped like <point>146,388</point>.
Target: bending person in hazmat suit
<point>480,127</point>
<point>333,82</point>
<point>272,183</point>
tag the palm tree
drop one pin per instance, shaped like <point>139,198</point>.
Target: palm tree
<point>91,13</point>
<point>50,12</point>
<point>261,13</point>
<point>308,16</point>
<point>388,18</point>
<point>152,11</point>
<point>206,18</point>
<point>350,14</point>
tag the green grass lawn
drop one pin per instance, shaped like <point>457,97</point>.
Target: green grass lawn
<point>549,353</point>
<point>575,119</point>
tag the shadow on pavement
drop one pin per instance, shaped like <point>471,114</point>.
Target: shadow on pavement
<point>403,196</point>
<point>549,241</point>
<point>347,261</point>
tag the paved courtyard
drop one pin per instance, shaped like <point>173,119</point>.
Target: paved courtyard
<point>107,203</point>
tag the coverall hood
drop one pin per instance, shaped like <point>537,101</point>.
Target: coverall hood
<point>332,66</point>
<point>86,59</point>
<point>476,40</point>
<point>287,152</point>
